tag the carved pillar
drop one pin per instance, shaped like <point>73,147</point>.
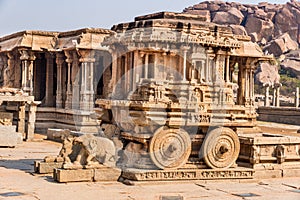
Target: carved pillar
<point>267,88</point>
<point>146,65</point>
<point>27,58</point>
<point>252,97</point>
<point>274,97</point>
<point>87,78</point>
<point>114,71</point>
<point>219,67</point>
<point>69,60</point>
<point>135,76</point>
<point>209,65</point>
<point>75,77</point>
<point>184,50</point>
<point>59,62</point>
<point>247,86</point>
<point>227,69</point>
<point>9,70</point>
<point>3,64</point>
<point>31,120</point>
<point>277,96</point>
<point>21,118</point>
<point>297,97</point>
<point>241,83</point>
<point>49,80</point>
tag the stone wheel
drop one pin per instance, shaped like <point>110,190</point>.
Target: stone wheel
<point>170,148</point>
<point>220,148</point>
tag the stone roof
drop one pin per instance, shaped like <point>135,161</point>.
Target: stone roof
<point>53,41</point>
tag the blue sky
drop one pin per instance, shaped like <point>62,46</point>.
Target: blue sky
<point>63,15</point>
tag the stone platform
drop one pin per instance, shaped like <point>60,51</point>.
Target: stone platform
<point>93,174</point>
<point>187,174</point>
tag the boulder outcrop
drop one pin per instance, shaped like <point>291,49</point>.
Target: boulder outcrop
<point>275,27</point>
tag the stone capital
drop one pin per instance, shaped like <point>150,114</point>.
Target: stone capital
<point>86,55</point>
<point>26,54</point>
<point>60,58</point>
<point>49,55</point>
<point>3,59</point>
<point>69,56</point>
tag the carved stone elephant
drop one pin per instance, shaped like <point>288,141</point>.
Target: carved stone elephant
<point>96,150</point>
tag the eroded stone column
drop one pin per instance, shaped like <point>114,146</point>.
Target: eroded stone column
<point>31,120</point>
<point>267,89</point>
<point>69,61</point>
<point>21,118</point>
<point>227,69</point>
<point>49,80</point>
<point>146,65</point>
<point>27,58</point>
<point>87,78</point>
<point>59,62</point>
<point>3,64</point>
<point>297,97</point>
<point>75,77</point>
<point>184,50</point>
<point>277,96</point>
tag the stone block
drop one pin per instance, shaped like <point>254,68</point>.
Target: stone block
<point>107,174</point>
<point>6,118</point>
<point>46,167</point>
<point>73,175</point>
<point>54,134</point>
<point>263,174</point>
<point>291,173</point>
<point>9,137</point>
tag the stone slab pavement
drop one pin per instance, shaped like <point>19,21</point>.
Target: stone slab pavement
<point>17,181</point>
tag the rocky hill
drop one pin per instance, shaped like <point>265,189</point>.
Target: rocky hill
<point>275,27</point>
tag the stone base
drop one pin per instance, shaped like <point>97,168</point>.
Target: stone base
<point>9,137</point>
<point>187,174</point>
<point>42,167</point>
<point>78,175</point>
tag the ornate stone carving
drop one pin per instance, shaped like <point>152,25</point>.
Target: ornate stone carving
<point>170,148</point>
<point>220,148</point>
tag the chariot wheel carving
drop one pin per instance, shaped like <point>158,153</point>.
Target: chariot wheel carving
<point>220,148</point>
<point>170,148</point>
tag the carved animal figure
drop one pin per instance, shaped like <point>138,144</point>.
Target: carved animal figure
<point>96,150</point>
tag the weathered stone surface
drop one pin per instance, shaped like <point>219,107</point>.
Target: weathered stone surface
<point>78,175</point>
<point>55,134</point>
<point>264,23</point>
<point>64,176</point>
<point>267,74</point>
<point>6,118</point>
<point>204,13</point>
<point>9,137</point>
<point>281,45</point>
<point>262,27</point>
<point>285,22</point>
<point>186,174</point>
<point>291,172</point>
<point>232,16</point>
<point>107,174</point>
<point>292,65</point>
<point>287,115</point>
<point>266,174</point>
<point>238,29</point>
<point>46,167</point>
